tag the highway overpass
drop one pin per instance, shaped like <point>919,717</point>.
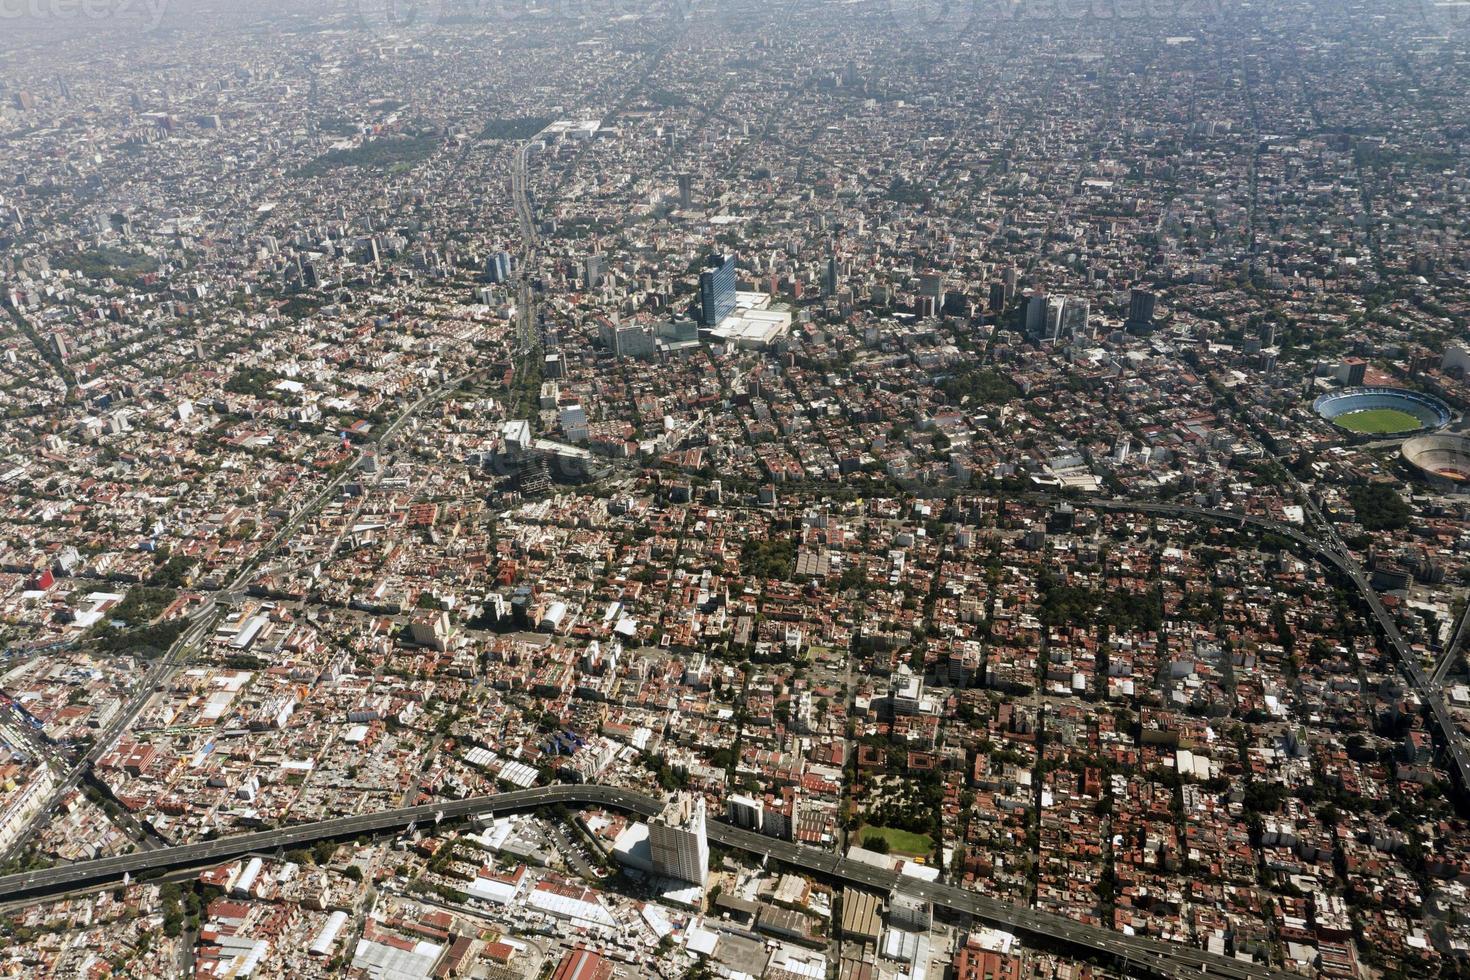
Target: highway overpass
<point>1144,956</point>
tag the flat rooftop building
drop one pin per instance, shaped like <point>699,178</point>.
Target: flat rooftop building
<point>860,915</point>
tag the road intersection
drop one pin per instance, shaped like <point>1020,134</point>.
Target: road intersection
<point>1143,956</point>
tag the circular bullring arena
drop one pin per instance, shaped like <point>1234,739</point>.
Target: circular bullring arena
<point>1442,458</point>
<point>1382,411</point>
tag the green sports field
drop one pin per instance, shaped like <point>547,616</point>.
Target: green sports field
<point>902,842</point>
<point>1379,421</point>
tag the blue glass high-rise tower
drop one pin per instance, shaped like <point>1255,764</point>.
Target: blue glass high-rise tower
<point>498,267</point>
<point>717,290</point>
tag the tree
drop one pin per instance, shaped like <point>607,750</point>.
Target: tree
<point>876,843</point>
<point>173,911</point>
<point>1379,507</point>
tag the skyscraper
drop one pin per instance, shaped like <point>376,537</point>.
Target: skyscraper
<point>1075,313</point>
<point>830,277</point>
<point>717,290</point>
<point>1054,307</point>
<point>931,285</point>
<point>1036,314</point>
<point>1140,310</point>
<point>997,297</point>
<point>677,841</point>
<point>498,267</point>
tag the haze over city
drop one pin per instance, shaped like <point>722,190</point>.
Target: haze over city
<point>802,490</point>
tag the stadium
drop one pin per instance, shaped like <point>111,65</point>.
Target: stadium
<point>1442,458</point>
<point>1382,411</point>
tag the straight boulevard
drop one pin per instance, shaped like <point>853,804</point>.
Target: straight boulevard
<point>1141,955</point>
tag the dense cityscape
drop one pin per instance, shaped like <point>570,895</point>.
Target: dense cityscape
<point>852,489</point>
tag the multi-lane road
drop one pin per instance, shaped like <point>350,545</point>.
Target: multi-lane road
<point>1140,954</point>
<point>124,718</point>
<point>525,303</point>
<point>1336,554</point>
<point>1451,653</point>
<point>203,618</point>
<point>1144,956</point>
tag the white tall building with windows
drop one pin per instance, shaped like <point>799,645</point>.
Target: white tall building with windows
<point>1456,358</point>
<point>677,840</point>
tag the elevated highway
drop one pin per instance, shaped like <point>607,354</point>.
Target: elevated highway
<point>1143,956</point>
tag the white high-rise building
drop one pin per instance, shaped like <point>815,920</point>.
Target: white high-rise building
<point>1056,317</point>
<point>1456,358</point>
<point>745,811</point>
<point>906,691</point>
<point>1052,328</point>
<point>677,840</point>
